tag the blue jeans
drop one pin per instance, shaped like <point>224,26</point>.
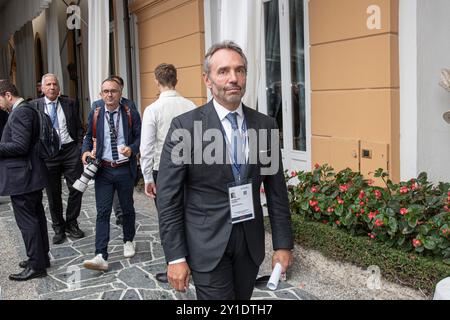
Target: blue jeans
<point>107,181</point>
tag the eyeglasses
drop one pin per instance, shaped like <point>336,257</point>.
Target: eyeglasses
<point>112,91</point>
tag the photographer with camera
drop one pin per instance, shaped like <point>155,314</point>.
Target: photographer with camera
<point>116,130</point>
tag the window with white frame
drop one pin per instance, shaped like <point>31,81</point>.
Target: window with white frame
<point>285,70</point>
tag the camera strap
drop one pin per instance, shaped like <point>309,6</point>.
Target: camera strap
<point>95,118</point>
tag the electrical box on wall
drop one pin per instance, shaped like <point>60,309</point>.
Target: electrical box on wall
<point>374,156</point>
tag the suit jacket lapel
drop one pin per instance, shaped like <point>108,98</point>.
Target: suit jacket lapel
<point>253,126</point>
<point>41,104</point>
<point>100,132</point>
<point>65,108</point>
<point>124,117</point>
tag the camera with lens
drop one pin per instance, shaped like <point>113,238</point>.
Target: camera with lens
<point>89,173</point>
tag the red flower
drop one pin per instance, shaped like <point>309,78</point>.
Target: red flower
<point>372,215</point>
<point>361,194</point>
<point>316,209</point>
<point>416,243</point>
<point>377,194</point>
<point>404,190</point>
<point>448,193</point>
<point>340,201</point>
<point>379,223</point>
<point>414,186</point>
<point>314,189</point>
<point>343,188</point>
<point>361,203</point>
<point>403,211</point>
<point>330,210</point>
<point>313,203</point>
<point>317,166</point>
<point>362,211</point>
<point>371,235</point>
<point>338,222</point>
<point>293,173</point>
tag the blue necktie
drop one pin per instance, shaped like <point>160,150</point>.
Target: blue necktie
<point>113,131</point>
<point>54,115</point>
<point>237,147</point>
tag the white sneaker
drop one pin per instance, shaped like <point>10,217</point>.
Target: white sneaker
<point>98,263</point>
<point>128,249</point>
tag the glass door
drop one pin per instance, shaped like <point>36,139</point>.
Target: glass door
<point>286,86</point>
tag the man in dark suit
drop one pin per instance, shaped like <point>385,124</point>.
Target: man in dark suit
<point>129,103</point>
<point>23,175</point>
<point>210,214</point>
<point>65,116</point>
<point>117,133</point>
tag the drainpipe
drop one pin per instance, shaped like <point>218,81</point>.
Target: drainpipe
<point>126,20</point>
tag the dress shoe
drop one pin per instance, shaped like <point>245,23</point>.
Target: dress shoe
<point>59,238</point>
<point>74,231</point>
<point>23,264</point>
<point>27,274</point>
<point>162,277</point>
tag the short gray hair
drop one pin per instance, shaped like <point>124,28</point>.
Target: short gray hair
<point>49,75</point>
<point>227,44</point>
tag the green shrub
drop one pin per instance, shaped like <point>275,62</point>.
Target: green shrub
<point>406,268</point>
<point>411,216</point>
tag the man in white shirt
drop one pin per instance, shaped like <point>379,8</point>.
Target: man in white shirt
<point>156,124</point>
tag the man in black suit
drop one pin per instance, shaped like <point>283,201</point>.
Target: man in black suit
<point>65,116</point>
<point>23,175</point>
<point>210,214</point>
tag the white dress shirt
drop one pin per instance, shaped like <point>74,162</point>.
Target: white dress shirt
<point>120,139</point>
<point>155,125</point>
<point>222,112</point>
<point>18,101</point>
<point>63,132</point>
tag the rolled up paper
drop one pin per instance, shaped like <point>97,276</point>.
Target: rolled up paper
<point>272,284</point>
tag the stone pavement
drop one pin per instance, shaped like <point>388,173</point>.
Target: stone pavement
<point>127,279</point>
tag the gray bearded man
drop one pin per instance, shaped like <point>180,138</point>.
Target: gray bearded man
<point>210,214</point>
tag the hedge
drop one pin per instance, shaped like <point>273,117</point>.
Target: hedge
<point>405,268</point>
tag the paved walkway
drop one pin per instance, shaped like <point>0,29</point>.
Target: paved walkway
<point>127,279</point>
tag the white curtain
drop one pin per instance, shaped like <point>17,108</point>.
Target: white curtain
<point>17,13</point>
<point>53,52</point>
<point>241,21</point>
<point>98,46</point>
<point>24,50</point>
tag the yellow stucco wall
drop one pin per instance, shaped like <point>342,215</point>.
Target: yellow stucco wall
<point>355,85</point>
<point>171,31</point>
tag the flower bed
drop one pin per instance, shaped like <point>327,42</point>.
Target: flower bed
<point>411,216</point>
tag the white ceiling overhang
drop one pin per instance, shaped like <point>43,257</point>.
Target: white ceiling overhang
<point>15,13</point>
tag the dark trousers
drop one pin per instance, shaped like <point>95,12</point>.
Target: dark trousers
<point>67,162</point>
<point>235,275</point>
<point>30,218</point>
<point>107,181</point>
